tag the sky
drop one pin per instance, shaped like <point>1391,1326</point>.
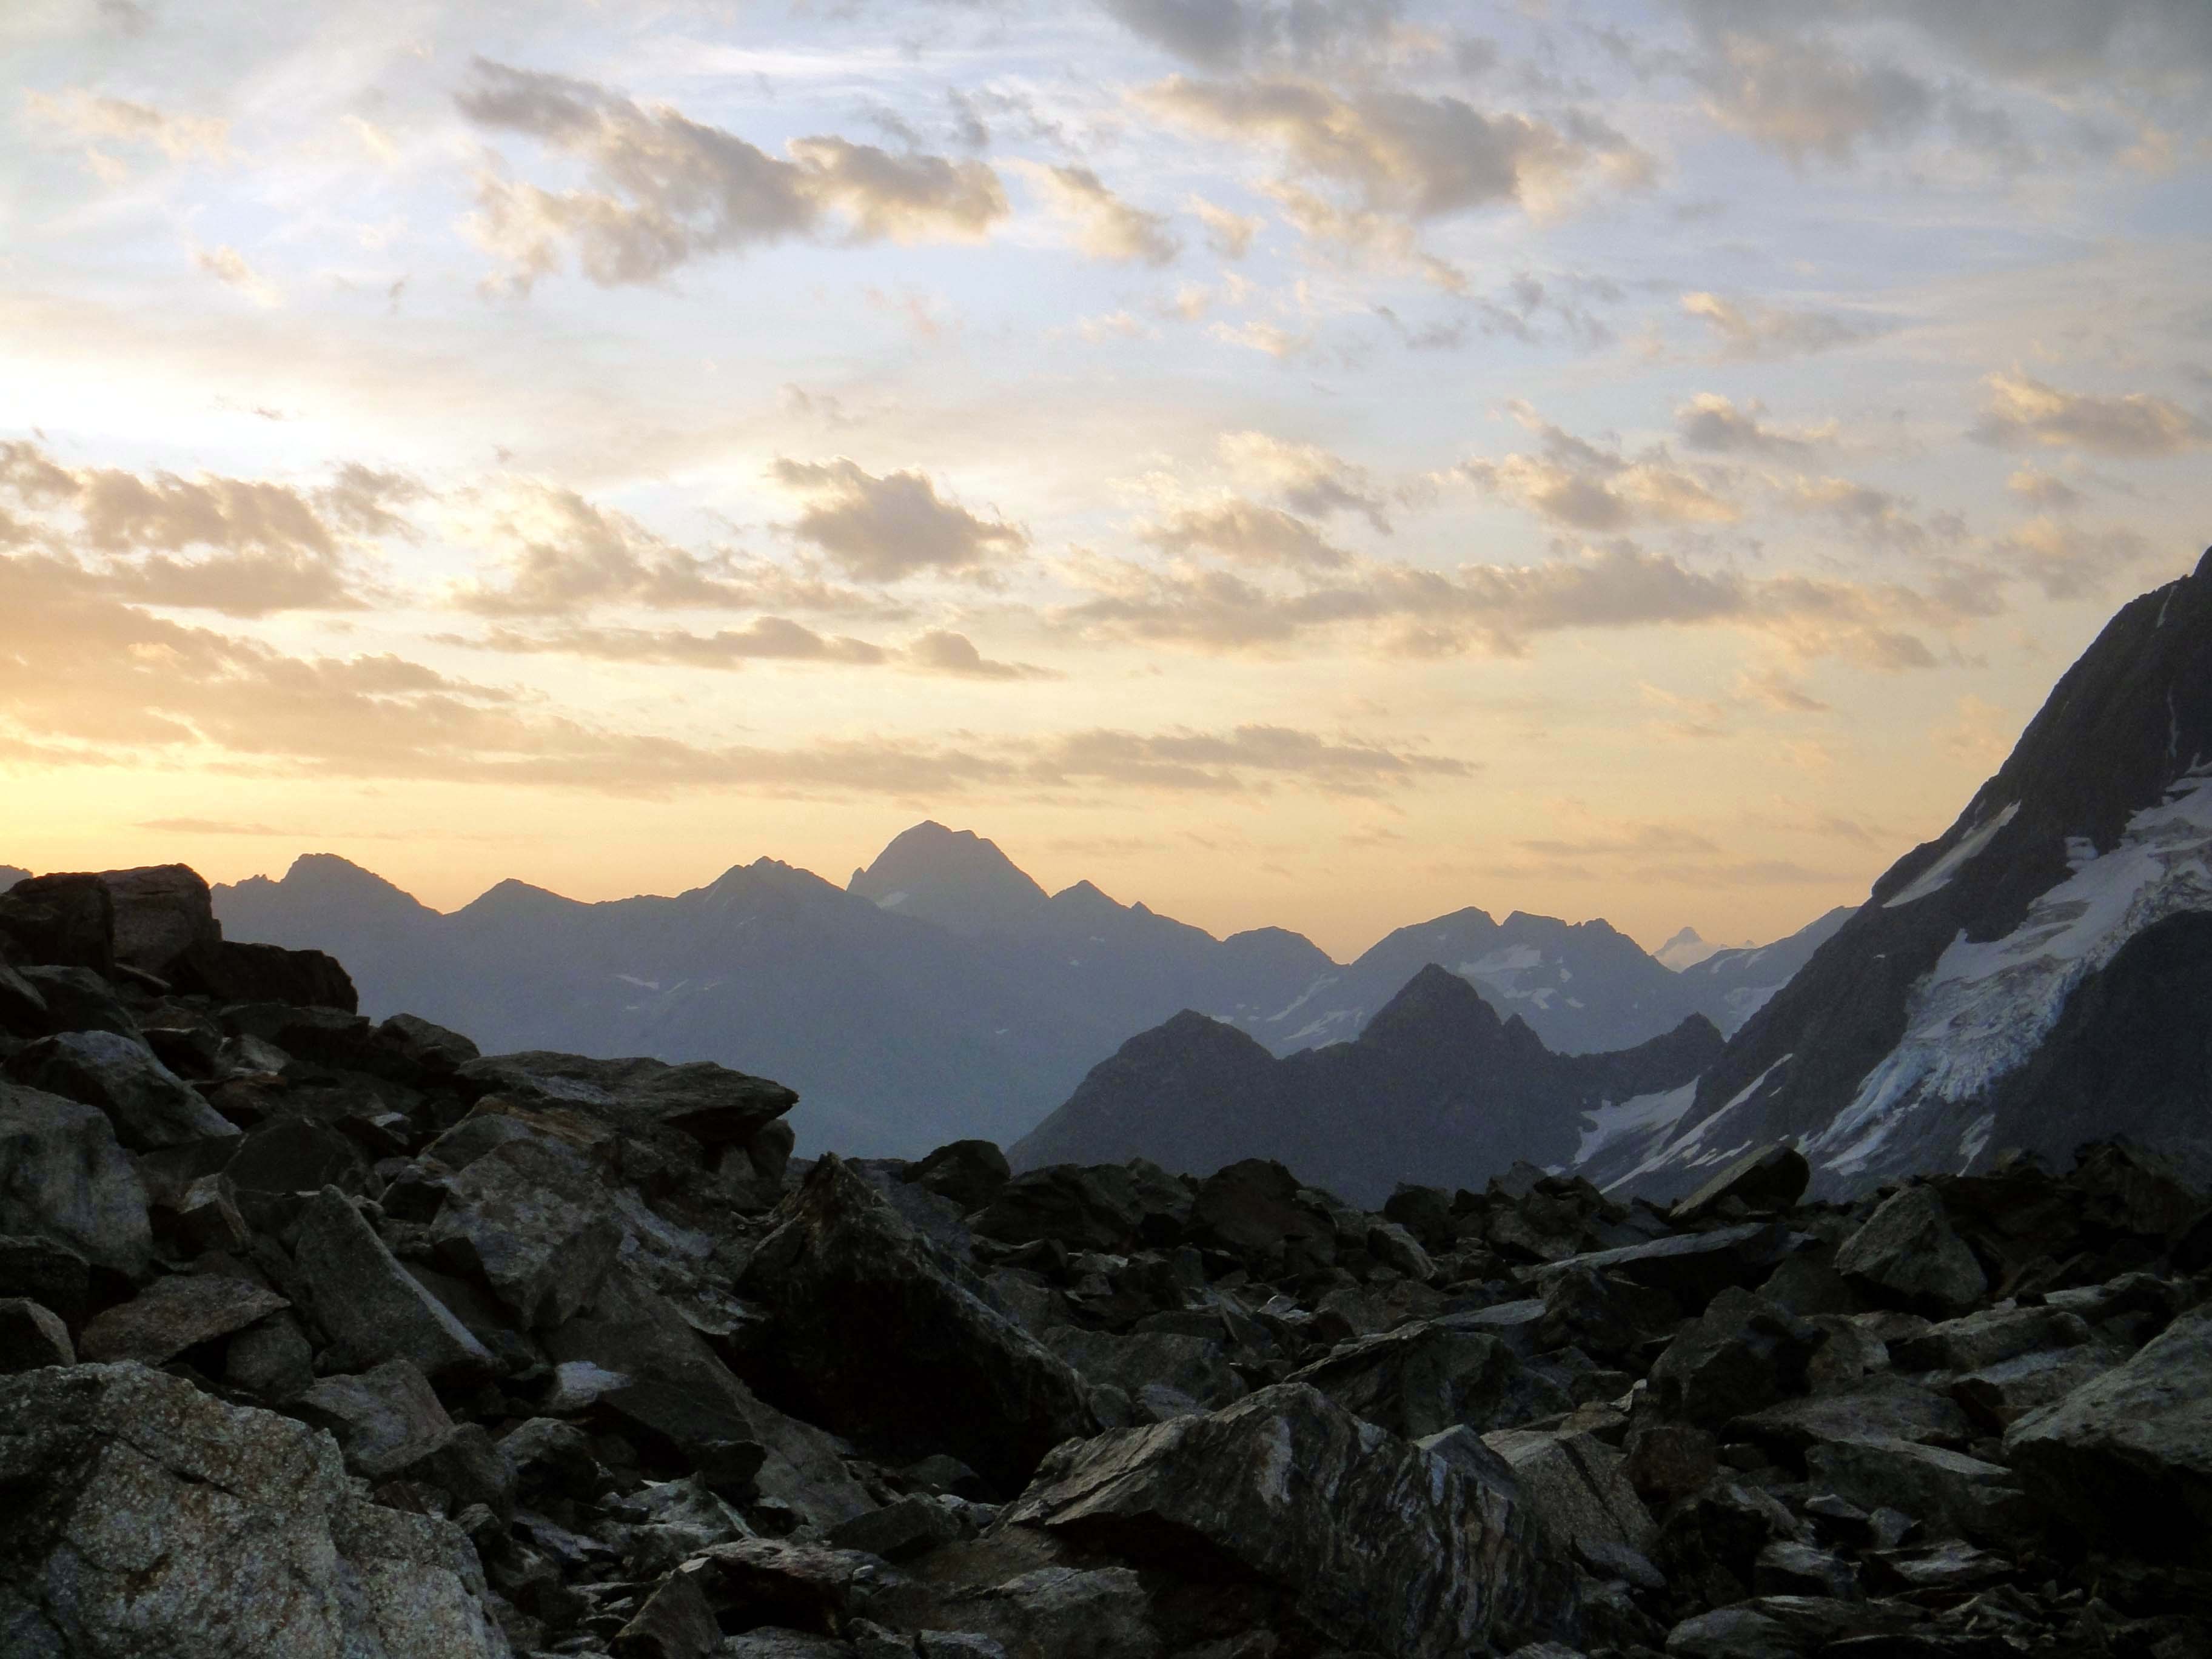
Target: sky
<point>1310,463</point>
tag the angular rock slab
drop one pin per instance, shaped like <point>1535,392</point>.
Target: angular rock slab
<point>2132,1451</point>
<point>529,1219</point>
<point>369,1305</point>
<point>175,1314</point>
<point>149,1105</point>
<point>1906,1255</point>
<point>157,1520</point>
<point>856,1292</point>
<point>63,1177</point>
<point>1374,1542</point>
<point>710,1102</point>
<point>1770,1178</point>
<point>1693,1267</point>
<point>32,1336</point>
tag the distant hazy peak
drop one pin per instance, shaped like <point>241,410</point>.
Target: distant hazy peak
<point>954,878</point>
<point>1685,949</point>
<point>9,875</point>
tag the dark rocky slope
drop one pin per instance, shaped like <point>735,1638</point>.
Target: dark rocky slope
<point>2028,980</point>
<point>319,1337</point>
<point>1436,1087</point>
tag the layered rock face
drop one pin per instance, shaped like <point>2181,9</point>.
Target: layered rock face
<point>322,1337</point>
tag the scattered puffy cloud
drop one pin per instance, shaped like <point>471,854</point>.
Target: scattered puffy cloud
<point>1805,97</point>
<point>2024,412</point>
<point>1715,425</point>
<point>1308,477</point>
<point>1106,227</point>
<point>1228,234</point>
<point>1245,531</point>
<point>667,189</point>
<point>1747,328</point>
<point>2044,489</point>
<point>558,554</point>
<point>882,529</point>
<point>940,651</point>
<point>2070,561</point>
<point>1876,516</point>
<point>254,547</point>
<point>1575,483</point>
<point>228,266</point>
<point>1393,159</point>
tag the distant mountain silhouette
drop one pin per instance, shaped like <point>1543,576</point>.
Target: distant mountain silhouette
<point>1731,986</point>
<point>944,993</point>
<point>2038,977</point>
<point>1582,987</point>
<point>1437,1089</point>
<point>9,875</point>
<point>1686,946</point>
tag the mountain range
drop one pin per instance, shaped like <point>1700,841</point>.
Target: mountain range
<point>942,993</point>
<point>1437,1090</point>
<point>2038,977</point>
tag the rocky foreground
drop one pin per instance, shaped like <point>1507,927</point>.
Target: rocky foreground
<point>324,1337</point>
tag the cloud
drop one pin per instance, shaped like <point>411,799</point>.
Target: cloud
<point>771,639</point>
<point>669,190</point>
<point>2040,488</point>
<point>1239,529</point>
<point>1806,98</point>
<point>1305,476</point>
<point>1875,515</point>
<point>1221,34</point>
<point>1228,234</point>
<point>2023,412</point>
<point>882,529</point>
<point>228,266</point>
<point>1746,328</point>
<point>86,681</point>
<point>1394,158</point>
<point>1106,227</point>
<point>942,652</point>
<point>1500,609</point>
<point>1713,425</point>
<point>81,114</point>
<point>2069,561</point>
<point>765,639</point>
<point>1577,483</point>
<point>259,547</point>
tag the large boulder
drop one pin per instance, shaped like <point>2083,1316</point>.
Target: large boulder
<point>1578,1488</point>
<point>1085,1207</point>
<point>1375,1543</point>
<point>22,1004</point>
<point>164,916</point>
<point>2129,1454</point>
<point>232,972</point>
<point>1741,1354</point>
<point>60,921</point>
<point>63,1177</point>
<point>146,1518</point>
<point>175,1313</point>
<point>371,1308</point>
<point>1905,1255</point>
<point>150,1106</point>
<point>531,1219</point>
<point>856,1290</point>
<point>1425,1377</point>
<point>711,1103</point>
<point>1769,1178</point>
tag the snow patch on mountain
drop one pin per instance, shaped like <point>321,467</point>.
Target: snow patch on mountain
<point>1983,1009</point>
<point>1939,874</point>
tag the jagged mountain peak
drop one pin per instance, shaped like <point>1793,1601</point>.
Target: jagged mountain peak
<point>955,877</point>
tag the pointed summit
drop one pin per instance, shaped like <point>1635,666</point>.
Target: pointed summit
<point>1684,950</point>
<point>953,878</point>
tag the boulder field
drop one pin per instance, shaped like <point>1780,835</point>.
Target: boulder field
<point>320,1336</point>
